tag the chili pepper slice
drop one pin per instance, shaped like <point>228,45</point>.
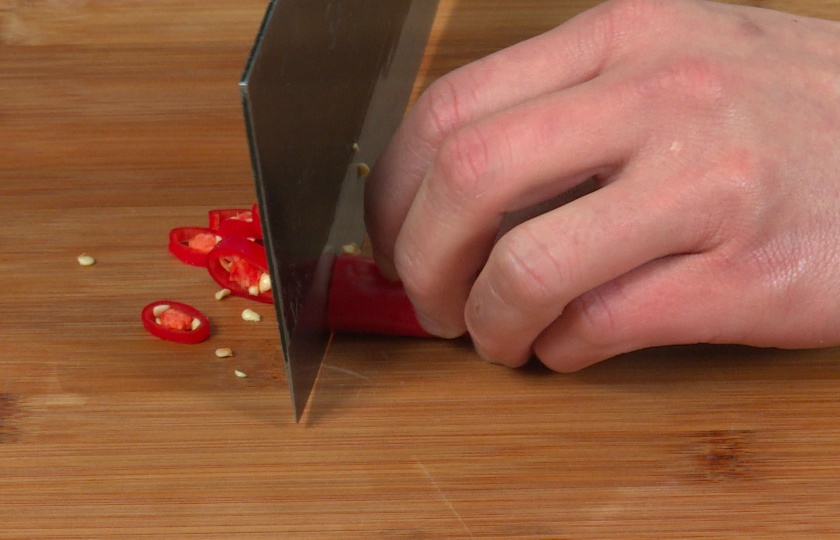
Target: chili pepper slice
<point>176,322</point>
<point>255,211</point>
<point>234,222</point>
<point>215,217</point>
<point>240,265</point>
<point>361,300</point>
<point>192,244</point>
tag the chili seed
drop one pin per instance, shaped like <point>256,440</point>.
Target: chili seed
<point>239,374</point>
<point>251,316</point>
<point>195,323</point>
<point>86,260</point>
<point>158,310</point>
<point>265,283</point>
<point>362,170</point>
<point>351,249</point>
<point>221,294</point>
<point>224,352</point>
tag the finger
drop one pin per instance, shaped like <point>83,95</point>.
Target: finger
<point>670,301</point>
<point>564,57</point>
<point>541,266</point>
<point>507,162</point>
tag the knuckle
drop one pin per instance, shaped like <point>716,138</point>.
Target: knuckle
<point>463,163</point>
<point>744,171</point>
<point>689,79</point>
<point>630,16</point>
<point>685,76</point>
<point>526,272</point>
<point>732,195</point>
<point>443,109</point>
<point>597,321</point>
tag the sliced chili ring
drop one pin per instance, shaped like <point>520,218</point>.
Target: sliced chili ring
<point>240,265</point>
<point>239,227</point>
<point>234,222</point>
<point>192,244</point>
<point>215,217</point>
<point>361,300</point>
<point>176,322</point>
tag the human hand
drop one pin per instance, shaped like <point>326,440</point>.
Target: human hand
<point>713,134</point>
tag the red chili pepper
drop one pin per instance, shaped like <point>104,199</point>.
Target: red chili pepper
<point>234,222</point>
<point>175,322</point>
<point>192,244</point>
<point>215,217</point>
<point>255,211</point>
<point>240,265</point>
<point>361,300</point>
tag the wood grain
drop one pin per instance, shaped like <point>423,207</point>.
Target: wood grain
<point>120,120</point>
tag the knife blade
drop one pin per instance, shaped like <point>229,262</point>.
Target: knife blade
<point>324,89</point>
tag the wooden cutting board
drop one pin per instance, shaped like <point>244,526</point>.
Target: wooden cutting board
<point>120,120</point>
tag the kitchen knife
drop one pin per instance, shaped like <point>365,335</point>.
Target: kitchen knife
<point>324,88</point>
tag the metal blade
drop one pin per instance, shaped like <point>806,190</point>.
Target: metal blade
<point>323,75</point>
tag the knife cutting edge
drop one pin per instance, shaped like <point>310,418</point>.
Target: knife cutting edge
<point>324,89</point>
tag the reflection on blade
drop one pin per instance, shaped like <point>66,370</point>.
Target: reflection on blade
<point>323,75</point>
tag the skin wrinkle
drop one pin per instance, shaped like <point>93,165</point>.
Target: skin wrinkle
<point>523,256</point>
<point>465,165</point>
<point>444,111</point>
<point>749,28</point>
<point>597,316</point>
<point>787,263</point>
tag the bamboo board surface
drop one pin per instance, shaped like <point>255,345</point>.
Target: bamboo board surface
<point>120,120</point>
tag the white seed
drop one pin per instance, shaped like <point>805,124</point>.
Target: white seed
<point>265,283</point>
<point>218,238</point>
<point>158,310</point>
<point>223,293</point>
<point>226,264</point>
<point>86,260</point>
<point>224,352</point>
<point>195,323</point>
<point>239,374</point>
<point>251,316</point>
<point>157,320</point>
<point>254,290</point>
<point>351,249</point>
<point>355,147</point>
